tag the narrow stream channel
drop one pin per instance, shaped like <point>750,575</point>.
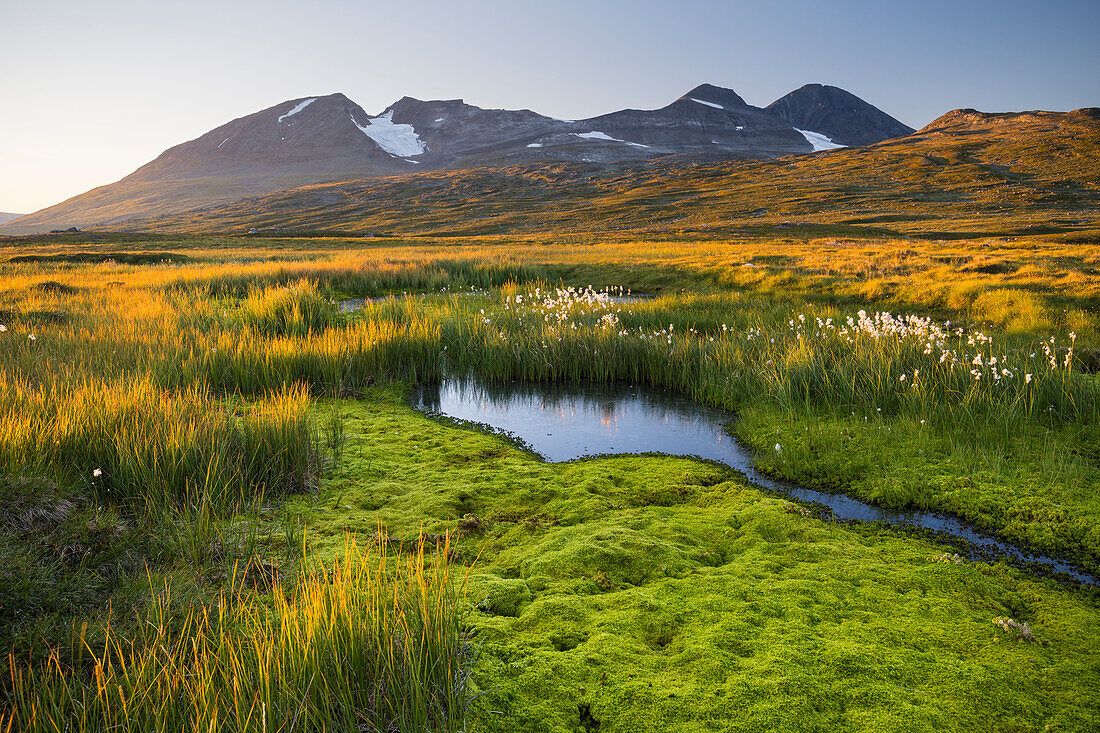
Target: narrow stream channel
<point>566,422</point>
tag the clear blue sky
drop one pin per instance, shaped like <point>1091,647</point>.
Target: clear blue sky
<point>92,89</point>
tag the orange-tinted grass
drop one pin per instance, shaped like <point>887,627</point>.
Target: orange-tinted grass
<point>372,642</point>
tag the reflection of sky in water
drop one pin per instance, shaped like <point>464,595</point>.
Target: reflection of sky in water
<point>563,422</point>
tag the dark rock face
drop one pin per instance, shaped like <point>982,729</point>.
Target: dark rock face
<point>453,129</point>
<point>843,117</point>
<point>716,95</point>
<point>708,120</point>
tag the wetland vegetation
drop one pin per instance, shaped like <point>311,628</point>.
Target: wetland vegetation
<point>220,509</point>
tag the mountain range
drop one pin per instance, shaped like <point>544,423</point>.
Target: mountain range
<point>967,174</point>
<point>325,139</point>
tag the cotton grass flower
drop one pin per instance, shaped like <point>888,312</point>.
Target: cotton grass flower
<point>97,473</point>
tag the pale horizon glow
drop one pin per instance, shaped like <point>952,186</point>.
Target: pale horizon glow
<point>95,90</point>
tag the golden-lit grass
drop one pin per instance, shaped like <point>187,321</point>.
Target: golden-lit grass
<point>938,274</point>
<point>134,442</point>
<point>367,643</point>
<point>256,323</point>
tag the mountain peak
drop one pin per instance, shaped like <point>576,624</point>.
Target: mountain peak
<point>337,97</point>
<point>715,95</point>
<point>838,114</point>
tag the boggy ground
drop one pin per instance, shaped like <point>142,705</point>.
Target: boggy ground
<point>663,594</point>
<point>159,410</point>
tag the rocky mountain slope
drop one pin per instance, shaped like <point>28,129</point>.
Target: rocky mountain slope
<point>330,138</point>
<point>839,115</point>
<point>707,120</point>
<point>965,174</point>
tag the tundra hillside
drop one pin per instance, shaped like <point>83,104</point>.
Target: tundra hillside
<point>965,175</point>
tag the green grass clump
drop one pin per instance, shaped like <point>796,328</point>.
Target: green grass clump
<point>296,310</point>
<point>1030,486</point>
<point>369,643</point>
<point>136,444</point>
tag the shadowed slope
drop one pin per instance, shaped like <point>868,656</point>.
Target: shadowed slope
<point>841,116</point>
<point>293,143</point>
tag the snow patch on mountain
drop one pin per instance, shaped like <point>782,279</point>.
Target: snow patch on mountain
<point>399,140</point>
<point>709,104</point>
<point>597,135</point>
<point>819,141</point>
<point>223,142</point>
<point>298,108</point>
<point>535,145</point>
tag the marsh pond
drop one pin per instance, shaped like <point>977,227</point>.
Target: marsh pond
<point>565,422</point>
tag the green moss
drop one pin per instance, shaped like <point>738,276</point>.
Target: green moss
<point>662,594</point>
<point>499,596</point>
<point>1032,487</point>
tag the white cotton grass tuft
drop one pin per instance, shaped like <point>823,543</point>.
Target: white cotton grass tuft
<point>929,353</point>
<point>97,473</point>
